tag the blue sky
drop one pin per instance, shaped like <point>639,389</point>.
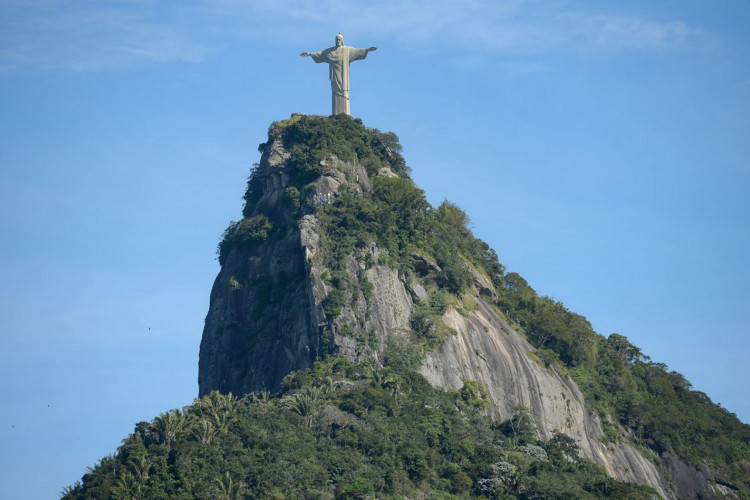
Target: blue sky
<point>602,149</point>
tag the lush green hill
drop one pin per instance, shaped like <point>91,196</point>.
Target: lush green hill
<point>353,431</point>
<point>345,431</point>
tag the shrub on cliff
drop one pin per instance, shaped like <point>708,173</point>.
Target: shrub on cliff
<point>245,233</point>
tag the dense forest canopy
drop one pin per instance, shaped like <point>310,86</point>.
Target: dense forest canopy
<point>346,430</point>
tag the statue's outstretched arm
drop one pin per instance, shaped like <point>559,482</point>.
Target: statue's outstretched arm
<point>305,54</point>
<point>371,49</point>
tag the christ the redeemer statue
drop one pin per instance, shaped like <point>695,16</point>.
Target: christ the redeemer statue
<point>338,59</point>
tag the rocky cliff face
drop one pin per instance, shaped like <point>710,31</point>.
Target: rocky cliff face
<point>273,311</point>
<point>261,322</point>
<point>486,349</point>
<point>266,317</point>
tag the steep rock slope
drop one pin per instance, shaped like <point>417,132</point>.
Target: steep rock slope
<point>267,311</point>
<point>277,304</point>
<point>486,349</point>
<point>260,325</point>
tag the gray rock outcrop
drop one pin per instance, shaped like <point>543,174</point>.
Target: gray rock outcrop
<point>486,349</point>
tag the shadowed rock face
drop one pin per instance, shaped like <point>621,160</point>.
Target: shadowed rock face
<point>260,324</point>
<point>266,319</point>
<point>251,340</point>
<point>266,314</point>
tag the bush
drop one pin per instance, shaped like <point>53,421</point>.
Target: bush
<point>334,302</point>
<point>253,192</point>
<point>439,301</point>
<point>402,353</point>
<point>245,233</point>
<point>312,139</point>
<point>475,395</point>
<point>292,199</point>
<point>428,326</point>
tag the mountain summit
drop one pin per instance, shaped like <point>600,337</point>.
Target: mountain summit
<point>339,254</point>
<point>406,360</point>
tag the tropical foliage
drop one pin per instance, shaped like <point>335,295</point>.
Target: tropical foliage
<point>245,233</point>
<point>346,431</point>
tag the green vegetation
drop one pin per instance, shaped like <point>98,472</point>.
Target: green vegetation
<point>398,218</point>
<point>292,198</point>
<point>395,215</point>
<point>245,234</point>
<point>310,141</point>
<point>313,139</point>
<point>345,431</point>
<point>426,321</point>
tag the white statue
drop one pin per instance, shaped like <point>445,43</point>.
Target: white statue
<point>338,59</point>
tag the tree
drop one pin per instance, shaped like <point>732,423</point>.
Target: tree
<point>168,426</point>
<point>519,427</point>
<point>227,488</point>
<point>306,403</point>
<point>203,431</point>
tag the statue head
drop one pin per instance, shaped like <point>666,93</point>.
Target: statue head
<point>339,40</point>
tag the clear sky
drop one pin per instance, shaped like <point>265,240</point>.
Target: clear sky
<point>602,149</point>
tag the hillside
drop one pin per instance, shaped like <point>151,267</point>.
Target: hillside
<point>346,431</point>
<point>437,371</point>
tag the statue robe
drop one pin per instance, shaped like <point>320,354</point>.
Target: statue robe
<point>338,59</point>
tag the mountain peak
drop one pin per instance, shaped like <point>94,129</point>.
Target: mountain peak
<point>342,290</point>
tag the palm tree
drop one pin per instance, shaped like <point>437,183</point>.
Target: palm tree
<point>129,487</point>
<point>306,403</point>
<point>228,489</point>
<point>69,490</point>
<point>140,468</point>
<point>228,402</point>
<point>219,421</point>
<point>216,401</point>
<point>333,387</point>
<point>168,426</point>
<point>370,370</point>
<point>134,478</point>
<point>259,397</point>
<point>203,431</point>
